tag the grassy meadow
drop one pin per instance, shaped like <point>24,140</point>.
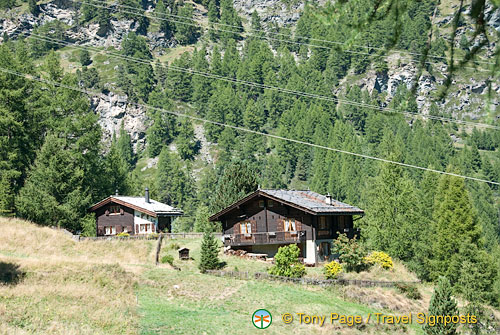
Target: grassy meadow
<point>113,287</point>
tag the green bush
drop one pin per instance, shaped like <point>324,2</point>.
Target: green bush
<point>332,270</point>
<point>167,259</point>
<point>351,253</point>
<point>411,291</point>
<point>380,258</point>
<point>173,246</point>
<point>287,263</point>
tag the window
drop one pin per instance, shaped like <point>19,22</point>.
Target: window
<point>110,230</point>
<point>246,227</point>
<point>261,203</point>
<point>322,223</point>
<point>290,225</point>
<point>144,228</point>
<point>113,210</point>
<point>270,203</point>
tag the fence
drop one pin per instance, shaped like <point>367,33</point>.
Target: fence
<point>143,237</point>
<point>308,281</point>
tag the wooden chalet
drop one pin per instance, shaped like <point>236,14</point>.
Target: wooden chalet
<point>133,215</point>
<point>267,219</point>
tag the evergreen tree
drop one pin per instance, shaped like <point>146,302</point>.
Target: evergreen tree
<point>455,223</point>
<point>104,21</point>
<point>230,18</point>
<point>442,303</point>
<point>209,253</point>
<point>173,184</point>
<point>85,57</point>
<point>166,26</point>
<point>179,79</point>
<point>33,7</point>
<point>186,32</point>
<point>162,126</point>
<point>237,181</point>
<point>124,146</point>
<point>116,169</point>
<point>201,85</point>
<point>201,223</point>
<point>186,142</point>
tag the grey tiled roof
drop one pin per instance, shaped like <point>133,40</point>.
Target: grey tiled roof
<point>152,205</point>
<point>312,201</point>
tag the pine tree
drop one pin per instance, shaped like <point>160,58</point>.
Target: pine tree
<point>116,169</point>
<point>33,7</point>
<point>186,141</point>
<point>104,21</point>
<point>455,223</point>
<point>442,303</point>
<point>392,221</point>
<point>85,57</point>
<point>201,85</point>
<point>209,253</point>
<point>186,33</point>
<point>166,27</point>
<point>230,17</point>
<point>173,183</point>
<point>124,146</point>
<point>237,181</point>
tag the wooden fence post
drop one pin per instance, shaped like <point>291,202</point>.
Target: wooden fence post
<point>158,248</point>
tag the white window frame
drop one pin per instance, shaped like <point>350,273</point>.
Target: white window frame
<point>290,225</point>
<point>109,230</point>
<point>246,227</point>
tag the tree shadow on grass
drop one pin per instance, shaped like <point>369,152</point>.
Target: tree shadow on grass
<point>10,273</point>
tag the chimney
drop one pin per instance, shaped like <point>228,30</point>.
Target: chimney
<point>328,199</point>
<point>116,192</point>
<point>146,196</point>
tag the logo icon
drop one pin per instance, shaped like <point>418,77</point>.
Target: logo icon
<point>262,319</point>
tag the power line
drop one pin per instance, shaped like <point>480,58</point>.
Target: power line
<point>134,9</point>
<point>263,86</point>
<point>90,92</point>
<point>264,37</point>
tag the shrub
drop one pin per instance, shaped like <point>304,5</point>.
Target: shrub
<point>123,234</point>
<point>332,270</point>
<point>351,253</point>
<point>380,258</point>
<point>89,227</point>
<point>167,259</point>
<point>174,246</point>
<point>287,263</point>
<point>411,291</point>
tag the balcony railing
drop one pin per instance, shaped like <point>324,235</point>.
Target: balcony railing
<point>277,237</point>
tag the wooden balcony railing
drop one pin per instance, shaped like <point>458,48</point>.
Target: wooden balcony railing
<point>277,237</point>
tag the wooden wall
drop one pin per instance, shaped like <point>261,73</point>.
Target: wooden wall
<point>270,216</point>
<point>120,221</point>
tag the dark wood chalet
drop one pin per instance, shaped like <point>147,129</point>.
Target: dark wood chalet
<point>267,219</point>
<point>133,215</point>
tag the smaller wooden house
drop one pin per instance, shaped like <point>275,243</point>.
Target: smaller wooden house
<point>133,215</point>
<point>184,254</point>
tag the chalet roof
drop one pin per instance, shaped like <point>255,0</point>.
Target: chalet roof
<point>308,201</point>
<point>313,201</point>
<point>152,207</point>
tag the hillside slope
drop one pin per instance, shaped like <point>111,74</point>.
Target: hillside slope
<point>112,287</point>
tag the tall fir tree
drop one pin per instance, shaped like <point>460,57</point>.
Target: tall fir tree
<point>442,303</point>
<point>209,259</point>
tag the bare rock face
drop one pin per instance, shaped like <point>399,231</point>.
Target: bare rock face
<point>115,109</point>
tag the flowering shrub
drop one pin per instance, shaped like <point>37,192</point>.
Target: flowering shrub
<point>123,234</point>
<point>332,270</point>
<point>380,258</point>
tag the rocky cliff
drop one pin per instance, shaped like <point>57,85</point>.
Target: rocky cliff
<point>465,99</point>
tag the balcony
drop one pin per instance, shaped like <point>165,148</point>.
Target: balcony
<point>278,237</point>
